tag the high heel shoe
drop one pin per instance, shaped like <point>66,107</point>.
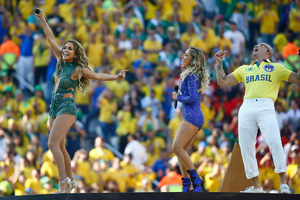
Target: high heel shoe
<point>74,186</point>
<point>196,180</point>
<point>64,186</point>
<point>186,184</point>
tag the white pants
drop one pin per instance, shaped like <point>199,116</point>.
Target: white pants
<point>25,70</point>
<point>254,113</point>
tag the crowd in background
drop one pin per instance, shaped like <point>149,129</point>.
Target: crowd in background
<point>135,117</point>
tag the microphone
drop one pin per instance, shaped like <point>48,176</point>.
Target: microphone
<point>37,11</point>
<point>176,90</point>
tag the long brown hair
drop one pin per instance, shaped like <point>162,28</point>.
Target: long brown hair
<point>198,67</point>
<point>81,60</point>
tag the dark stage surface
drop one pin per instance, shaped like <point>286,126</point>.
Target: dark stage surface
<point>157,196</point>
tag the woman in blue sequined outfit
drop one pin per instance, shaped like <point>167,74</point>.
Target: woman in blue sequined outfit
<point>71,72</point>
<point>194,79</point>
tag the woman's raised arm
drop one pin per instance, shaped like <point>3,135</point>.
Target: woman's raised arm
<point>49,34</point>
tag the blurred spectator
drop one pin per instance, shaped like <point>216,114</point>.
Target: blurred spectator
<point>237,39</point>
<point>137,150</point>
<point>151,102</point>
<point>252,11</point>
<point>119,174</point>
<point>171,179</point>
<point>294,18</point>
<point>280,115</point>
<point>75,138</point>
<point>41,53</point>
<point>107,117</point>
<point>25,68</point>
<point>161,164</point>
<point>9,55</point>
<point>100,152</point>
<point>132,171</point>
<point>268,19</point>
<point>294,115</point>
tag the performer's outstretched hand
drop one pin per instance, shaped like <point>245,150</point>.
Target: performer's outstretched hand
<point>220,55</point>
<point>122,74</point>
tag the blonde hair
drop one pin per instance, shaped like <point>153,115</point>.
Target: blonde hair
<point>81,60</point>
<point>198,68</point>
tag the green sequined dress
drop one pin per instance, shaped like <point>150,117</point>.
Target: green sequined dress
<point>59,104</point>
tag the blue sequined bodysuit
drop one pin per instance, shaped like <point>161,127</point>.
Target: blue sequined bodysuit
<point>59,104</point>
<point>191,99</point>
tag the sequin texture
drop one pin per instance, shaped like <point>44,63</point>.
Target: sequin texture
<point>59,104</point>
<point>191,99</point>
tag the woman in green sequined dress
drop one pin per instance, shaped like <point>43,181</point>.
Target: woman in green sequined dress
<point>71,71</point>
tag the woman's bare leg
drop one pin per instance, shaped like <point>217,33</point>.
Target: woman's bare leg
<point>183,168</point>
<point>58,133</point>
<point>67,159</point>
<point>184,137</point>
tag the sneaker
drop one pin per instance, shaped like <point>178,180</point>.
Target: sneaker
<point>252,190</point>
<point>284,188</point>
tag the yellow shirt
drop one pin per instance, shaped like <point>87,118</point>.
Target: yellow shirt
<point>151,8</point>
<point>186,37</point>
<point>127,124</point>
<point>262,81</point>
<point>45,191</point>
<point>158,89</point>
<point>131,169</point>
<point>119,88</point>
<point>40,101</point>
<point>83,168</point>
<point>149,175</point>
<point>268,21</point>
<point>294,24</point>
<point>98,154</point>
<point>186,7</point>
<point>169,14</point>
<point>19,189</point>
<point>120,176</point>
<point>224,42</point>
<point>12,103</point>
<point>212,185</point>
<point>151,159</point>
<point>92,177</point>
<point>49,168</point>
<point>26,8</point>
<point>40,57</point>
<point>133,55</point>
<point>198,43</point>
<point>280,41</point>
<point>49,5</point>
<point>152,45</point>
<point>82,34</point>
<point>65,11</point>
<point>107,110</point>
<point>159,144</point>
<point>34,184</point>
<point>195,156</point>
<point>82,99</point>
<point>268,173</point>
<point>94,53</point>
<point>290,172</point>
<point>166,5</point>
<point>209,114</point>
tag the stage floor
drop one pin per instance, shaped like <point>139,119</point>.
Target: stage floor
<point>157,196</point>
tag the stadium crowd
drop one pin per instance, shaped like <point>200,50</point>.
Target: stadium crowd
<point>135,116</point>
